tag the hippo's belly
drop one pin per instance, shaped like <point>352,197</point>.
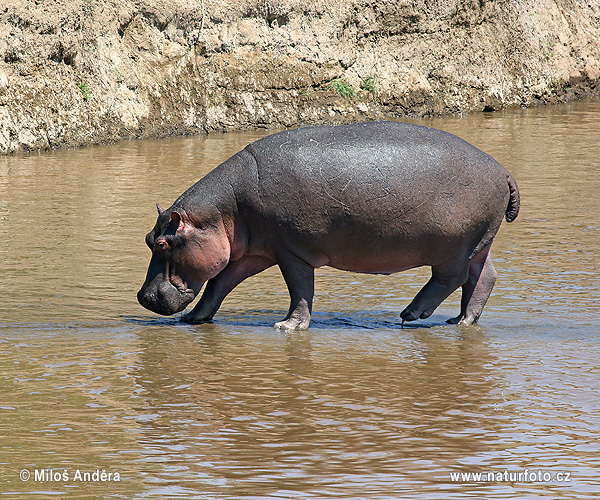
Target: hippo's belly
<point>372,246</point>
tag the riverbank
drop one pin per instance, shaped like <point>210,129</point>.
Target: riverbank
<point>82,72</point>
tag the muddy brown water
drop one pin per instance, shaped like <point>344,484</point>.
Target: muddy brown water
<point>354,408</point>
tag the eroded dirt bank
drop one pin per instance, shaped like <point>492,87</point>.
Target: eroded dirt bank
<point>78,72</point>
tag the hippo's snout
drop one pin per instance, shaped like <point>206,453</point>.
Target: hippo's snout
<point>162,297</point>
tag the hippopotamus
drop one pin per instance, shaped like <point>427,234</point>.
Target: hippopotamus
<point>376,197</point>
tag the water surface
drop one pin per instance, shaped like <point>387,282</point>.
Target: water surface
<point>354,408</point>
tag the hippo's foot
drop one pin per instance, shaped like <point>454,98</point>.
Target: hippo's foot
<point>293,323</point>
<point>411,314</point>
<point>297,319</point>
<point>195,319</point>
<point>461,320</point>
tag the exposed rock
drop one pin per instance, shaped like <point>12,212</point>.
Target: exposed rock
<point>82,72</point>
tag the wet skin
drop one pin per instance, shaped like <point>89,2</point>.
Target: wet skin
<point>377,197</point>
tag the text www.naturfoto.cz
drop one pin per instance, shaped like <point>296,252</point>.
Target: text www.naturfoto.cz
<point>508,476</point>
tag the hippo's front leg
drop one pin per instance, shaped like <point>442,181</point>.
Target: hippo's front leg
<point>300,280</point>
<point>219,287</point>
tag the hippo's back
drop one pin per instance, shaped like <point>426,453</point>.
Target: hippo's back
<point>392,147</point>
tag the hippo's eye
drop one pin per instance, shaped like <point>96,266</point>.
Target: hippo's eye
<point>162,245</point>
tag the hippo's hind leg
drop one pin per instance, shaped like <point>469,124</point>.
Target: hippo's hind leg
<point>477,289</point>
<point>444,280</point>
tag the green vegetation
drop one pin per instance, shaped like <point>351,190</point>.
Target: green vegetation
<point>215,99</point>
<point>369,84</point>
<point>85,91</point>
<point>342,88</point>
<point>306,93</point>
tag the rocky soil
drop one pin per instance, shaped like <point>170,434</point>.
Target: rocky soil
<point>79,72</point>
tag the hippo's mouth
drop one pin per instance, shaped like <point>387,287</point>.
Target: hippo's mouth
<point>186,294</point>
<point>177,282</point>
<point>166,292</point>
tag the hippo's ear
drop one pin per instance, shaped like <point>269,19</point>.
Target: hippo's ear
<point>159,208</point>
<point>175,221</point>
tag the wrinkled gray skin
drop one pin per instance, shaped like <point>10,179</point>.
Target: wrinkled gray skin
<point>378,197</point>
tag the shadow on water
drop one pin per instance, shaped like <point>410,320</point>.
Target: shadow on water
<point>358,320</point>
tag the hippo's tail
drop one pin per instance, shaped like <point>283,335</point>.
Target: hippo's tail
<point>512,209</point>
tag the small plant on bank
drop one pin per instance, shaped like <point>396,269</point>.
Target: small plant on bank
<point>342,88</point>
<point>215,100</point>
<point>306,93</point>
<point>369,84</point>
<point>84,89</point>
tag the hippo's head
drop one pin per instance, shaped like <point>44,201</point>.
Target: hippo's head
<point>185,254</point>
